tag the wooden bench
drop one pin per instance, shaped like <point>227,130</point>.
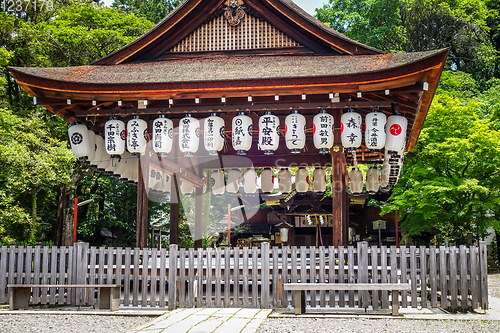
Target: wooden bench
<point>109,294</point>
<point>300,288</point>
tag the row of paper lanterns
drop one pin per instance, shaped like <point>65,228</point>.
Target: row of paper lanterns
<point>380,132</point>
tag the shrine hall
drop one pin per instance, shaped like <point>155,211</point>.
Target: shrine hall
<point>255,106</point>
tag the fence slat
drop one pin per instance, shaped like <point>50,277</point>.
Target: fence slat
<point>433,269</point>
<point>182,278</point>
<point>394,271</point>
<point>312,274</point>
<point>403,262</point>
<point>200,268</point>
<point>3,274</point>
<point>227,276</point>
<point>36,274</point>
<point>423,276</point>
<point>236,287</point>
<point>172,276</point>
<point>144,277</point>
<point>20,265</point>
<point>209,278</point>
<point>154,270</point>
<point>375,276</point>
<point>218,280</point>
<point>245,278</point>
<point>255,277</point>
<point>413,276</point>
<point>126,276</point>
<point>28,265</point>
<point>453,278</point>
<point>322,276</point>
<point>294,273</point>
<point>464,286</point>
<point>473,277</point>
<point>341,275</point>
<point>62,274</point>
<point>264,304</point>
<point>135,285</point>
<point>363,272</point>
<point>483,264</point>
<point>119,258</point>
<point>442,277</point>
<point>331,275</point>
<point>350,274</point>
<point>383,277</point>
<point>53,273</point>
<point>163,274</point>
<point>191,280</point>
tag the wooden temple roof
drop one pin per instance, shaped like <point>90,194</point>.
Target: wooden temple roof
<point>195,61</point>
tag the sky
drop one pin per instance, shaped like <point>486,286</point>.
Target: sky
<point>308,5</point>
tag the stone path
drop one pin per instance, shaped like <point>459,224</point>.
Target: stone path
<point>205,320</point>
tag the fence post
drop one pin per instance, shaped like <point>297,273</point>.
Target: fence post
<point>363,272</point>
<point>172,276</point>
<point>483,274</point>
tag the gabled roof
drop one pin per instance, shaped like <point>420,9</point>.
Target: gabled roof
<point>312,36</point>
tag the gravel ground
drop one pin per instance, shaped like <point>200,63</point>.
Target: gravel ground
<point>57,323</point>
<point>318,325</point>
<point>494,285</point>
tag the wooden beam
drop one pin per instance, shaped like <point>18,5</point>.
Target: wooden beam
<point>174,211</point>
<point>339,188</point>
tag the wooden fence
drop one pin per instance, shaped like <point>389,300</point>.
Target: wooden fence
<point>448,277</point>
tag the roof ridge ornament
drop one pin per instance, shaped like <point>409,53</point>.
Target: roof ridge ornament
<point>234,13</point>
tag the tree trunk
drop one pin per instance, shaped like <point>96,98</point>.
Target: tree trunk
<point>60,215</point>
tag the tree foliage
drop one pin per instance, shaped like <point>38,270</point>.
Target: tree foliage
<point>152,10</point>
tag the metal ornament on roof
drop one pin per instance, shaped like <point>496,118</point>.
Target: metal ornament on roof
<point>250,181</point>
<point>137,136</point>
<point>186,189</point>
<point>295,132</point>
<point>356,181</point>
<point>234,13</point>
<point>267,180</point>
<point>302,180</point>
<point>372,180</point>
<point>323,131</point>
<point>163,136</point>
<point>114,137</point>
<point>319,180</point>
<point>396,133</point>
<point>242,133</point>
<point>217,182</point>
<point>350,129</point>
<point>375,130</point>
<point>269,129</point>
<point>80,141</point>
<point>285,181</point>
<point>214,134</point>
<point>189,135</point>
<point>233,181</point>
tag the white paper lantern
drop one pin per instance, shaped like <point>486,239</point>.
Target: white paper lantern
<point>285,181</point>
<point>80,141</point>
<point>93,148</point>
<point>137,136</point>
<point>100,157</point>
<point>233,181</point>
<point>159,181</point>
<point>323,131</point>
<point>269,130</point>
<point>302,180</point>
<point>214,134</point>
<point>217,182</point>
<point>186,189</point>
<point>356,181</point>
<point>250,181</point>
<point>350,129</point>
<point>319,180</point>
<point>267,180</point>
<point>126,170</point>
<point>135,171</point>
<point>167,183</point>
<point>152,177</point>
<point>372,180</point>
<point>242,133</point>
<point>295,132</point>
<point>163,135</point>
<point>114,137</point>
<point>384,177</point>
<point>375,130</point>
<point>189,135</point>
<point>396,133</point>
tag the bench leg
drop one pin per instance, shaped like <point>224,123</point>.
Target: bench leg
<point>395,303</point>
<point>109,298</point>
<point>19,298</point>
<point>300,302</point>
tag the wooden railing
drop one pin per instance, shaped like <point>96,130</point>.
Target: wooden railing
<point>448,277</point>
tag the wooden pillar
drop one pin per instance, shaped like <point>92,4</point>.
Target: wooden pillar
<point>339,187</point>
<point>142,205</point>
<point>198,218</point>
<point>174,211</point>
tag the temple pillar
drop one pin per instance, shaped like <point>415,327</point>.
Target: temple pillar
<point>198,218</point>
<point>174,211</point>
<point>142,205</point>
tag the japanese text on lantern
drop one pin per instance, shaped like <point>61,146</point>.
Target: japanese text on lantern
<point>111,130</point>
<point>351,123</point>
<point>186,122</point>
<point>238,132</point>
<point>160,130</point>
<point>269,124</point>
<point>325,125</point>
<point>209,139</point>
<point>374,131</point>
<point>134,134</point>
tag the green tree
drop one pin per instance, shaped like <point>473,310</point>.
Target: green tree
<point>450,181</point>
<point>152,10</point>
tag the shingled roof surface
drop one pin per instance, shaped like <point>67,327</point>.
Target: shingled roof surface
<point>228,68</point>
